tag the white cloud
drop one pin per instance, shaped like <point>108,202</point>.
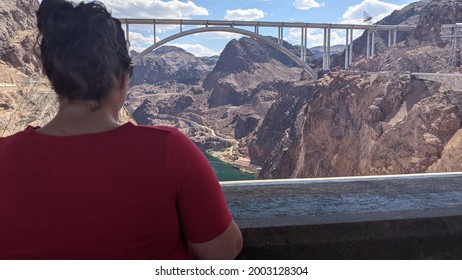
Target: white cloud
<point>155,8</point>
<point>375,8</point>
<point>197,49</point>
<point>140,42</point>
<point>218,35</point>
<point>307,4</point>
<point>249,14</point>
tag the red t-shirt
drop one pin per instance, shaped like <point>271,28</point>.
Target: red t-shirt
<point>131,193</point>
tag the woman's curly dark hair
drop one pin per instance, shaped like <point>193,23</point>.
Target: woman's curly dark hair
<point>82,48</point>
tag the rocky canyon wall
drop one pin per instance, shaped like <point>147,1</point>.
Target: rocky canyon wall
<point>367,125</point>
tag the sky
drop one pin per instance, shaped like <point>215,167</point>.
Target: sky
<point>212,43</point>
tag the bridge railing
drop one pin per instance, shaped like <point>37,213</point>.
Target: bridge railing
<point>231,23</point>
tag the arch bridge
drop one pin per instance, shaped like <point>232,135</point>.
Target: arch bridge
<point>238,27</point>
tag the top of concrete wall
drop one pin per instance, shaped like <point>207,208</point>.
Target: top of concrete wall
<point>270,203</point>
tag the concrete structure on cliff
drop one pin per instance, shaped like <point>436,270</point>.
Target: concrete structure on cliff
<point>453,33</point>
<point>232,26</point>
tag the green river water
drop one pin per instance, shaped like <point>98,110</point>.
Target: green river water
<point>226,172</point>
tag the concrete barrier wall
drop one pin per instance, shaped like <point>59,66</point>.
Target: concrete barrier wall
<point>383,217</point>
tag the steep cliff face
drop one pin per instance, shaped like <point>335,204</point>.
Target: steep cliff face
<point>451,157</point>
<point>23,105</point>
<point>359,125</point>
<point>432,15</point>
<point>241,56</point>
<point>243,65</point>
<point>425,58</point>
<point>282,123</point>
<point>18,34</point>
<point>20,84</point>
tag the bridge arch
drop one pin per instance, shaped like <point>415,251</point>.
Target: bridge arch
<point>277,46</point>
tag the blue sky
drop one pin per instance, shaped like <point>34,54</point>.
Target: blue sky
<point>207,44</point>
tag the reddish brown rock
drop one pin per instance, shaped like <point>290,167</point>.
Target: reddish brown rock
<point>364,125</point>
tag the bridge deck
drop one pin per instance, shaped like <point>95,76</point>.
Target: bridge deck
<point>266,24</point>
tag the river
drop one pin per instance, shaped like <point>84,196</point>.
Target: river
<point>226,172</point>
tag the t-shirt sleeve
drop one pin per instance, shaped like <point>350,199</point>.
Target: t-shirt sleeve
<point>202,208</point>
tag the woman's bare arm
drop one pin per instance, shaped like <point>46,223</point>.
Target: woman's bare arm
<point>224,247</point>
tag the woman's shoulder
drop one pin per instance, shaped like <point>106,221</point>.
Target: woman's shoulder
<point>159,132</point>
<point>169,139</point>
<point>152,130</point>
<point>17,135</point>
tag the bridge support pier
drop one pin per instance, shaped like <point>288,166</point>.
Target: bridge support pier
<point>373,44</point>
<point>127,35</point>
<point>350,59</point>
<point>368,43</point>
<point>371,35</point>
<point>326,49</point>
<point>349,48</point>
<point>370,49</point>
<point>154,30</point>
<point>389,38</point>
<point>280,35</point>
<point>304,42</point>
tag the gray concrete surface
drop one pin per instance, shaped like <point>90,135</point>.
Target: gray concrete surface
<point>385,217</point>
<point>293,202</point>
